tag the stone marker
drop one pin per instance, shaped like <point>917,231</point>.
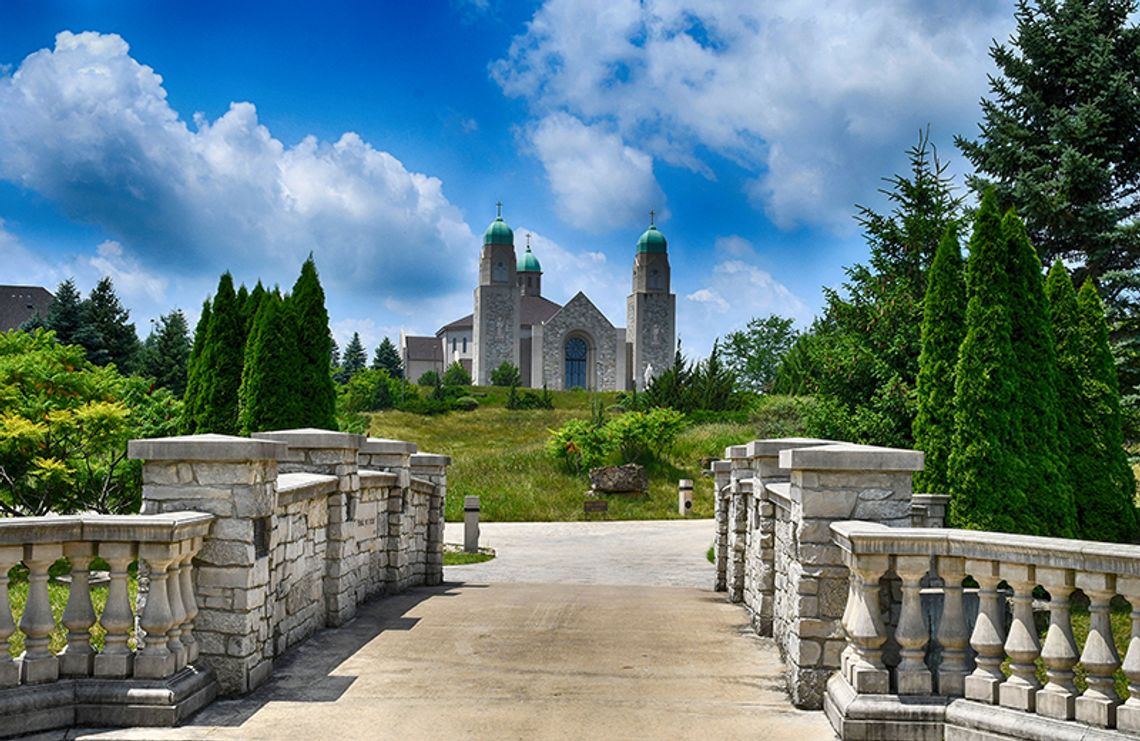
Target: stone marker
<point>685,496</point>
<point>471,524</point>
<point>616,479</point>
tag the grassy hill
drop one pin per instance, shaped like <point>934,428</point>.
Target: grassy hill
<point>498,455</point>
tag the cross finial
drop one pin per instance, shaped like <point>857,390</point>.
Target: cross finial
<point>528,241</point>
<point>499,206</point>
<point>652,213</point>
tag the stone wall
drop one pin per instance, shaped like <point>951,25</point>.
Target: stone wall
<point>579,316</point>
<point>651,329</point>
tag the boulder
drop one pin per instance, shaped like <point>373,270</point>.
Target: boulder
<point>628,478</point>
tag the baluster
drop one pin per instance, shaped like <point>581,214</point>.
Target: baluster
<point>1019,691</point>
<point>10,555</point>
<point>988,638</point>
<point>189,602</point>
<point>116,659</point>
<point>1097,705</point>
<point>156,661</point>
<point>952,634</point>
<point>1059,652</point>
<point>177,611</point>
<point>77,657</point>
<point>1128,714</point>
<point>866,632</point>
<point>847,657</point>
<point>912,633</point>
<point>39,664</point>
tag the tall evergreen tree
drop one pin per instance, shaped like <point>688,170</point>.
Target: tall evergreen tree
<point>193,400</point>
<point>387,358</point>
<point>943,325</point>
<point>65,313</point>
<point>1076,436</point>
<point>250,307</point>
<point>1108,510</point>
<point>107,332</point>
<point>167,352</point>
<point>986,477</point>
<point>222,357</point>
<point>314,348</point>
<point>355,359</point>
<point>1050,509</point>
<point>271,397</point>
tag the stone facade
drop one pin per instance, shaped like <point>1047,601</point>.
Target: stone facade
<point>651,312</point>
<point>496,330</point>
<point>579,318</point>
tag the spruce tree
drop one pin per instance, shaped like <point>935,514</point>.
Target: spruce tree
<point>223,357</point>
<point>65,313</point>
<point>271,396</point>
<point>943,325</point>
<point>193,400</point>
<point>388,358</point>
<point>1108,508</point>
<point>313,348</point>
<point>1035,408</point>
<point>106,331</point>
<point>167,352</point>
<point>355,359</point>
<point>986,480</point>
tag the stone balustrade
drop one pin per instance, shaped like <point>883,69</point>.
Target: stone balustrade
<point>871,691</point>
<point>77,684</point>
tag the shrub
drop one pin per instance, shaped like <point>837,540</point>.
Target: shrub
<point>780,416</point>
<point>430,378</point>
<point>644,436</point>
<point>506,375</point>
<point>579,445</point>
<point>369,391</point>
<point>529,399</point>
<point>465,403</point>
<point>456,375</point>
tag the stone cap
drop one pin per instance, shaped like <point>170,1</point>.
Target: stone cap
<point>923,498</point>
<point>851,457</point>
<point>208,447</point>
<point>370,478</point>
<point>430,459</point>
<point>721,466</point>
<point>771,447</point>
<point>736,452</point>
<point>310,437</point>
<point>293,487</point>
<point>164,528</point>
<point>384,445</point>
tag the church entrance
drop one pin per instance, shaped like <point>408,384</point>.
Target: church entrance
<point>576,352</point>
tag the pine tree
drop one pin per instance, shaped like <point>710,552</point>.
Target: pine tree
<point>250,307</point>
<point>986,480</point>
<point>193,400</point>
<point>167,352</point>
<point>1050,509</point>
<point>313,348</point>
<point>943,325</point>
<point>355,359</point>
<point>1108,510</point>
<point>106,331</point>
<point>65,313</point>
<point>271,398</point>
<point>388,358</point>
<point>222,359</point>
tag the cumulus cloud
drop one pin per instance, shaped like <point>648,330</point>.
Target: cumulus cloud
<point>599,183</point>
<point>568,270</point>
<point>89,127</point>
<point>818,103</point>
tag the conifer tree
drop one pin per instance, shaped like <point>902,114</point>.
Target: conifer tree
<point>986,480</point>
<point>1076,436</point>
<point>388,358</point>
<point>271,398</point>
<point>1050,510</point>
<point>222,359</point>
<point>193,399</point>
<point>355,359</point>
<point>106,331</point>
<point>250,307</point>
<point>1108,510</point>
<point>313,348</point>
<point>167,351</point>
<point>943,324</point>
<point>65,313</point>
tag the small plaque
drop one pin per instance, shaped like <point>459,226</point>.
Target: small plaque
<point>596,505</point>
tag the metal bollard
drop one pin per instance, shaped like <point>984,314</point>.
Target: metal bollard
<point>685,496</point>
<point>471,524</point>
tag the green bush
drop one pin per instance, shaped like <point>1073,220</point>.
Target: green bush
<point>506,375</point>
<point>579,445</point>
<point>465,403</point>
<point>780,416</point>
<point>529,399</point>
<point>645,436</point>
<point>429,378</point>
<point>456,375</point>
<point>369,391</point>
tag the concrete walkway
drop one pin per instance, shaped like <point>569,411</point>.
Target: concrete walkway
<point>586,655</point>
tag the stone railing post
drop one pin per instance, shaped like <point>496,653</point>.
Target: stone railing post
<point>1128,714</point>
<point>235,479</point>
<point>721,471</point>
<point>333,454</point>
<point>10,555</point>
<point>433,468</point>
<point>741,468</point>
<point>1059,652</point>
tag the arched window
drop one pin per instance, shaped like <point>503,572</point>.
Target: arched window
<point>655,282</point>
<point>499,274</point>
<point>576,354</point>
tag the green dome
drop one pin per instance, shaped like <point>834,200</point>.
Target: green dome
<point>498,233</point>
<point>652,241</point>
<point>528,263</point>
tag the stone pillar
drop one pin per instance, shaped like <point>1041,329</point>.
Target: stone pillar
<point>333,454</point>
<point>741,469</point>
<point>831,483</point>
<point>433,468</point>
<point>394,456</point>
<point>721,476</point>
<point>234,478</point>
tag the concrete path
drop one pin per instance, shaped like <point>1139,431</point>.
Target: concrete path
<point>666,553</point>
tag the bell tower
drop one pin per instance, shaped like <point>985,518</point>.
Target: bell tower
<point>651,309</point>
<point>495,330</point>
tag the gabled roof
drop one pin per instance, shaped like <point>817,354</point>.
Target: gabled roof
<point>532,310</point>
<point>18,304</point>
<point>580,301</point>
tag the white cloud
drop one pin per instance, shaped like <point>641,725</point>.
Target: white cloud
<point>567,271</point>
<point>599,183</point>
<point>817,102</point>
<point>89,127</point>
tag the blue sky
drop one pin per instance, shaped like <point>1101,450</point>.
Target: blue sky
<point>162,143</point>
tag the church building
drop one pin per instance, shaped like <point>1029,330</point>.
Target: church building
<point>560,347</point>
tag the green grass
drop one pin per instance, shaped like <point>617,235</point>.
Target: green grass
<point>57,596</point>
<point>460,558</point>
<point>711,555</point>
<point>499,455</point>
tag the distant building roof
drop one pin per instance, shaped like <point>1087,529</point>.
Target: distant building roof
<point>18,304</point>
<point>532,310</point>
<point>423,348</point>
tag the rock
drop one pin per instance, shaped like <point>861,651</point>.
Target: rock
<point>628,478</point>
